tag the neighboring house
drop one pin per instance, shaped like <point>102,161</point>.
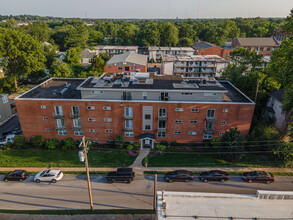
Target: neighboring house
<point>45,43</point>
<point>274,108</point>
<point>61,56</point>
<point>5,109</point>
<point>281,36</point>
<point>262,45</point>
<point>86,56</point>
<point>127,62</point>
<point>143,107</point>
<point>155,53</point>
<point>205,48</point>
<point>114,50</point>
<point>195,66</point>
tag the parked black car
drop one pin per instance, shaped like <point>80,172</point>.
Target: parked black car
<point>258,176</point>
<point>16,175</point>
<point>179,175</point>
<point>214,175</point>
<point>121,175</point>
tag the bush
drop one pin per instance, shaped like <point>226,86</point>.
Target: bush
<point>164,143</point>
<point>129,147</point>
<point>37,141</point>
<point>136,146</point>
<point>8,145</point>
<point>69,144</point>
<point>18,141</point>
<point>160,147</point>
<point>145,160</point>
<point>119,141</point>
<point>53,143</point>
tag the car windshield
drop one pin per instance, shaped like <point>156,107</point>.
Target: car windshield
<point>42,173</point>
<point>253,173</point>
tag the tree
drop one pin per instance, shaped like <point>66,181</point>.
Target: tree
<point>50,52</point>
<point>127,34</point>
<point>40,30</point>
<point>23,54</point>
<point>288,26</point>
<point>97,64</point>
<point>73,56</point>
<point>285,154</point>
<point>37,141</point>
<point>61,70</point>
<point>95,37</point>
<point>169,35</point>
<point>19,141</point>
<point>216,35</point>
<point>185,42</point>
<point>69,144</point>
<point>149,34</point>
<point>232,146</point>
<point>119,141</point>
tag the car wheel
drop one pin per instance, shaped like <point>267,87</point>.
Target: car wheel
<point>5,180</point>
<point>53,181</point>
<point>170,181</point>
<point>38,181</point>
<point>250,181</point>
<point>187,180</point>
<point>20,180</point>
<point>128,181</point>
<point>222,180</point>
<point>204,180</point>
<point>268,182</point>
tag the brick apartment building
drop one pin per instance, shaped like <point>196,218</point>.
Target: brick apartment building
<point>205,48</point>
<point>193,66</point>
<point>156,53</point>
<point>262,45</point>
<point>144,107</point>
<point>127,62</point>
<point>280,36</point>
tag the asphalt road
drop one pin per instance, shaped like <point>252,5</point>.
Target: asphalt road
<point>71,191</point>
<point>12,124</point>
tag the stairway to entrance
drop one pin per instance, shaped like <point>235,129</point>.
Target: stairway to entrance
<point>138,161</point>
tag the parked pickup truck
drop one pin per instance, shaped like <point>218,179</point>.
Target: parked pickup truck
<point>7,138</point>
<point>121,175</point>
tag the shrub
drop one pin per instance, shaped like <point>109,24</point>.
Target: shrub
<point>53,143</point>
<point>164,143</point>
<point>145,160</point>
<point>119,141</point>
<point>160,147</point>
<point>37,141</point>
<point>129,147</point>
<point>18,141</point>
<point>69,144</point>
<point>136,146</point>
<point>8,145</point>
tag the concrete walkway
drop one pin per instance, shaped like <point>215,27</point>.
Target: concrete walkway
<point>138,161</point>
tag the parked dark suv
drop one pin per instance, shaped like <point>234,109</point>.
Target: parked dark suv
<point>179,175</point>
<point>121,175</point>
<point>258,176</point>
<point>16,175</point>
<point>214,175</point>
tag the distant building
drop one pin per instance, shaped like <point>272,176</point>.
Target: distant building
<point>205,48</point>
<point>5,109</point>
<point>155,53</point>
<point>127,62</point>
<point>114,50</point>
<point>86,57</point>
<point>280,36</point>
<point>195,66</point>
<point>262,45</point>
<point>61,56</point>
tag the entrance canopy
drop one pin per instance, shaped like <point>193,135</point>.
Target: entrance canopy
<point>147,135</point>
<point>147,140</point>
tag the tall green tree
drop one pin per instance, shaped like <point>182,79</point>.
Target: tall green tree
<point>169,35</point>
<point>22,54</point>
<point>61,70</point>
<point>40,30</point>
<point>149,34</point>
<point>73,56</point>
<point>127,34</point>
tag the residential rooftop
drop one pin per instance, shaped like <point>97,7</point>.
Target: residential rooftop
<point>129,57</point>
<point>106,47</point>
<point>203,58</point>
<point>170,48</point>
<point>69,88</point>
<point>257,41</point>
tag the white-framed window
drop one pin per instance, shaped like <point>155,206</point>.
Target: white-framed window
<point>62,132</point>
<point>178,121</point>
<point>90,107</point>
<point>132,68</point>
<point>225,110</point>
<point>92,130</point>
<point>207,136</point>
<point>223,123</point>
<point>107,119</point>
<point>193,122</point>
<point>221,134</point>
<point>120,68</point>
<point>147,117</point>
<point>177,132</point>
<point>91,119</point>
<point>107,108</point>
<point>211,113</point>
<point>45,119</point>
<point>47,129</point>
<point>128,134</point>
<point>191,133</point>
<point>186,93</point>
<point>43,107</point>
<point>144,95</point>
<point>209,94</point>
<point>178,109</point>
<point>4,99</point>
<point>129,111</point>
<point>97,92</point>
<point>194,110</point>
<point>78,133</point>
<point>58,110</point>
<point>161,134</point>
<point>109,67</point>
<point>108,131</point>
<point>128,123</point>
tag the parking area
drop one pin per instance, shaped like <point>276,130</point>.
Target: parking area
<point>10,125</point>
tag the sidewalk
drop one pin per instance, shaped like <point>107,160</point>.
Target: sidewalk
<point>142,169</point>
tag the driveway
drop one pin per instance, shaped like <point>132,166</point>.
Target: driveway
<point>12,124</point>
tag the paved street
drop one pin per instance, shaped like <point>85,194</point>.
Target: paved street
<point>71,192</point>
<point>12,124</point>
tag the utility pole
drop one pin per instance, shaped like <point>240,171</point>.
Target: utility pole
<point>87,173</point>
<point>155,193</point>
<point>257,86</point>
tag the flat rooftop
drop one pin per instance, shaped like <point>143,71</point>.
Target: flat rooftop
<point>190,49</point>
<point>203,58</point>
<point>108,47</point>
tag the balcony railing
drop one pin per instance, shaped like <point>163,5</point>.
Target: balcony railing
<point>75,115</point>
<point>162,117</point>
<point>128,117</point>
<point>57,116</point>
<point>211,119</point>
<point>165,98</point>
<point>209,130</point>
<point>162,129</point>
<point>128,97</point>
<point>60,127</point>
<point>128,128</point>
<point>76,128</point>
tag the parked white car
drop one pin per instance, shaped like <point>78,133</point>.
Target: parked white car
<point>8,138</point>
<point>48,176</point>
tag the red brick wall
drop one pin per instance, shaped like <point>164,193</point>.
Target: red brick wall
<point>114,69</point>
<point>215,51</point>
<point>32,123</point>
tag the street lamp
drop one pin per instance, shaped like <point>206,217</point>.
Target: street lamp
<point>83,158</point>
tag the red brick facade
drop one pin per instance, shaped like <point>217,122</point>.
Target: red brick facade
<point>120,69</point>
<point>222,52</point>
<point>31,119</point>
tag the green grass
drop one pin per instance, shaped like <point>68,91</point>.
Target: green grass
<point>178,158</point>
<point>42,158</point>
<point>79,211</point>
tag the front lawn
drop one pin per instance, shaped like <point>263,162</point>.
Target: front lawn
<point>199,159</point>
<point>56,158</point>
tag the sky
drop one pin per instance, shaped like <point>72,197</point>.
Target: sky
<point>148,8</point>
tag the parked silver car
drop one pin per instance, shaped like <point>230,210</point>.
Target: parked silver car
<point>48,176</point>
